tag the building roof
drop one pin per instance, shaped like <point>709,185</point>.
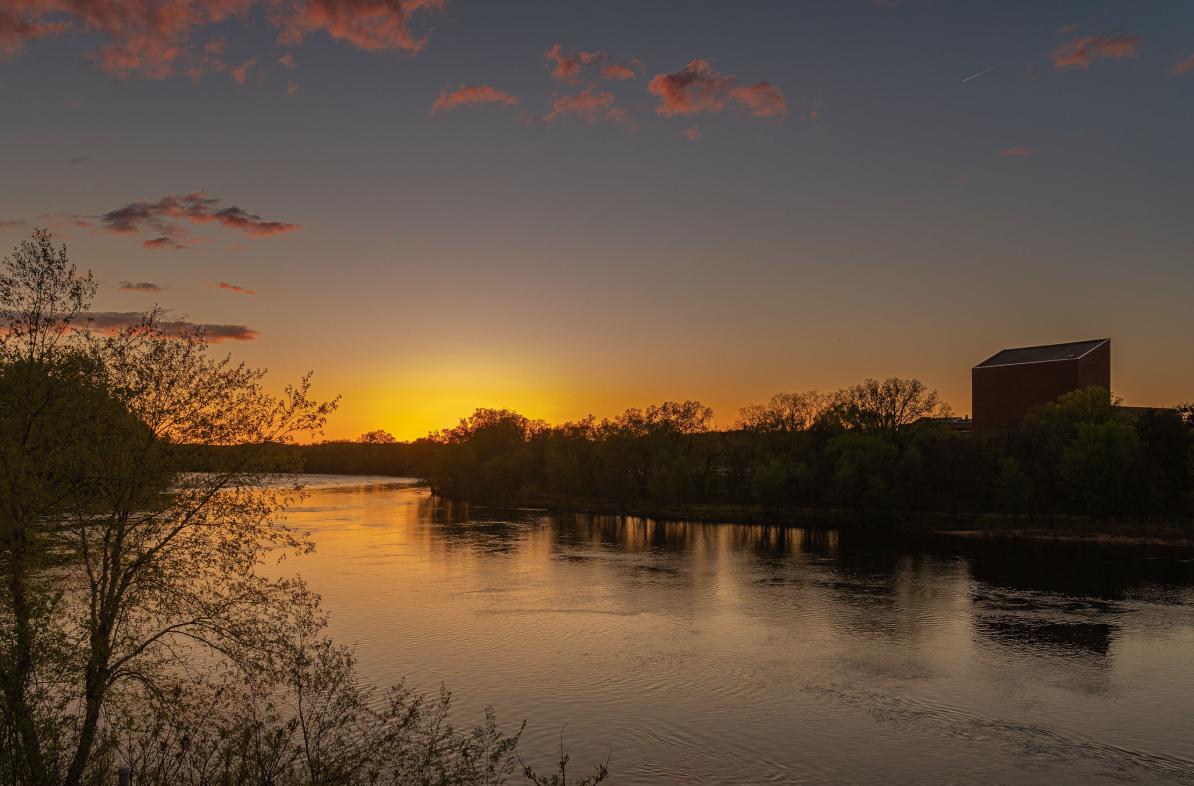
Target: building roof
<point>1043,354</point>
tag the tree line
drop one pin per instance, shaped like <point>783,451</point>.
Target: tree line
<point>886,447</point>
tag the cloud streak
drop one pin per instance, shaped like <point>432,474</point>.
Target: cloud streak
<point>233,288</point>
<point>1081,52</point>
<point>166,217</point>
<point>471,95</point>
<point>110,322</point>
<point>1016,152</point>
<point>141,286</point>
<point>1182,67</point>
<point>699,88</point>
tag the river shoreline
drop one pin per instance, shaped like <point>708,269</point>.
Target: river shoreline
<point>1119,530</point>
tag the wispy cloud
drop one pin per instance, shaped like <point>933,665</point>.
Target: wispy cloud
<point>1184,66</point>
<point>589,105</point>
<point>78,160</point>
<point>1081,52</point>
<point>209,58</point>
<point>14,223</point>
<point>241,72</point>
<point>109,322</point>
<point>166,216</point>
<point>761,99</point>
<point>570,68</point>
<point>233,288</point>
<point>286,61</point>
<point>141,286</point>
<point>1016,152</point>
<point>698,88</point>
<point>471,95</point>
<point>692,134</point>
<point>618,71</point>
<point>165,244</point>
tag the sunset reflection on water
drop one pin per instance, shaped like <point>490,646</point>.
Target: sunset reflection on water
<point>743,654</point>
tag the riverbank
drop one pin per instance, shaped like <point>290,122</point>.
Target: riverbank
<point>1127,530</point>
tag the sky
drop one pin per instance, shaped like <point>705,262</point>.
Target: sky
<point>567,208</point>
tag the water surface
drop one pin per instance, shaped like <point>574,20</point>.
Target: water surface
<point>702,653</point>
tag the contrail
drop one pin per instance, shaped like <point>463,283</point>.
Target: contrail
<point>980,73</point>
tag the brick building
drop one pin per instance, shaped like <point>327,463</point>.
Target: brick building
<point>1005,386</point>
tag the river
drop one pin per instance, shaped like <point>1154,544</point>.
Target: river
<point>704,653</point>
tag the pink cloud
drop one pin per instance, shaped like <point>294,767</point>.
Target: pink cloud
<point>589,105</point>
<point>617,71</point>
<point>209,59</point>
<point>1183,66</point>
<point>17,26</point>
<point>371,25</point>
<point>242,71</point>
<point>1081,52</point>
<point>1067,29</point>
<point>140,37</point>
<point>761,99</point>
<point>154,38</point>
<point>698,88</point>
<point>233,288</point>
<point>291,88</point>
<point>286,61</point>
<point>692,134</point>
<point>1016,152</point>
<point>471,95</point>
<point>567,67</point>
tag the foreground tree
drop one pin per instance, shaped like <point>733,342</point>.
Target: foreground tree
<point>123,574</point>
<point>134,626</point>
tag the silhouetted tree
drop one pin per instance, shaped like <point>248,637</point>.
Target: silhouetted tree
<point>887,406</point>
<point>876,446</point>
<point>155,567</point>
<point>785,412</point>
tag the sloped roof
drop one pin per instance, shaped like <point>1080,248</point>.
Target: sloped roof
<point>1042,354</point>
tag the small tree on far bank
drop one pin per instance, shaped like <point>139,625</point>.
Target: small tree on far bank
<point>785,412</point>
<point>887,407</point>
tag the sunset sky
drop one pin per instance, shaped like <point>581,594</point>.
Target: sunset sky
<point>574,207</point>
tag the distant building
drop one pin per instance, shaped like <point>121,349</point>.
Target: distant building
<point>1005,386</point>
